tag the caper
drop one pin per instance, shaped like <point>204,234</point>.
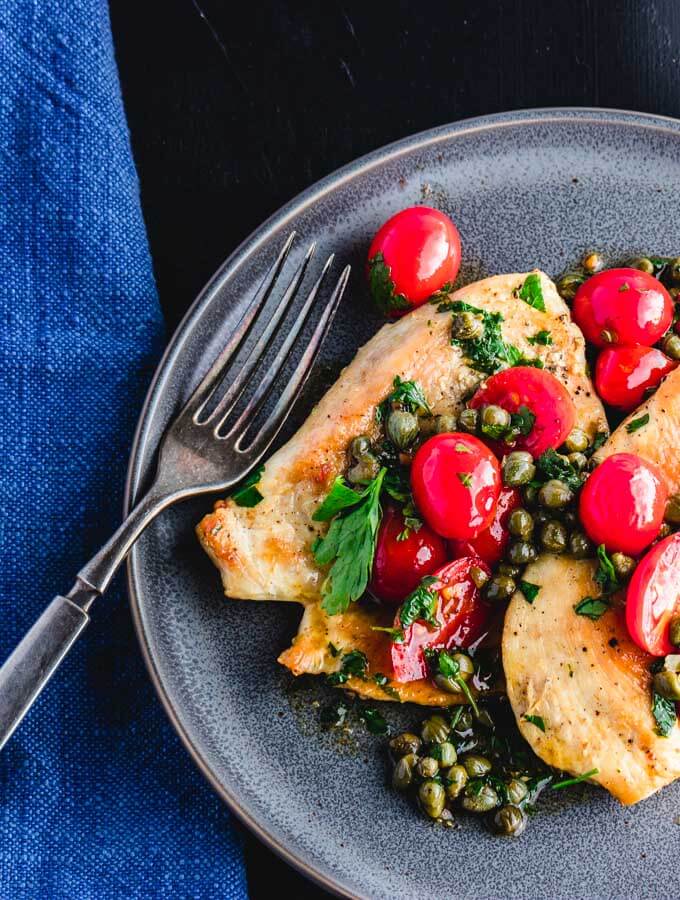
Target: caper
<point>555,494</point>
<point>593,263</point>
<point>509,821</point>
<point>405,743</point>
<point>521,524</point>
<point>505,568</point>
<point>484,718</point>
<point>608,336</point>
<point>641,263</point>
<point>517,790</point>
<point>402,428</point>
<point>672,663</point>
<point>432,798</point>
<point>402,775</point>
<point>674,631</point>
<point>457,779</point>
<point>465,665</point>
<point>448,684</point>
<point>578,460</point>
<point>671,345</point>
<point>494,420</point>
<point>360,446</point>
<point>554,536</point>
<point>568,517</point>
<point>364,471</point>
<point>467,326</point>
<point>446,755</point>
<point>518,468</point>
<point>672,513</point>
<point>479,798</point>
<point>530,495</point>
<point>521,553</point>
<point>623,565</point>
<point>463,720</point>
<point>663,532</point>
<point>673,270</point>
<point>500,587</point>
<point>428,767</point>
<point>674,291</point>
<point>435,730</point>
<point>467,420</point>
<point>445,424</point>
<point>478,576</point>
<point>667,684</point>
<point>579,545</point>
<point>427,425</point>
<point>577,441</point>
<point>568,284</point>
<point>476,765</point>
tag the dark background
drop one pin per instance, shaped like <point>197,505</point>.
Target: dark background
<point>235,108</point>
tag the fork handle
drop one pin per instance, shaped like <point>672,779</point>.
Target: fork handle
<point>35,659</point>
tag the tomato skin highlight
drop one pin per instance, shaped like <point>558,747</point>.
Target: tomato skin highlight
<point>653,597</point>
<point>462,615</point>
<point>420,247</point>
<point>622,503</point>
<point>624,374</point>
<point>398,566</point>
<point>630,306</point>
<point>456,481</point>
<point>491,543</point>
<point>540,392</point>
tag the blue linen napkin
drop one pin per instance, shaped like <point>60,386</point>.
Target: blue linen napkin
<point>97,797</point>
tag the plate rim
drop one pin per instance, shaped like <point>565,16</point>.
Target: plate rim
<point>139,447</point>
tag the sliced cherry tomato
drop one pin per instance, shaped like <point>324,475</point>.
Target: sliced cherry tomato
<point>456,481</point>
<point>462,616</point>
<point>490,544</point>
<point>400,562</point>
<point>622,503</point>
<point>623,375</point>
<point>414,254</point>
<point>546,398</point>
<point>622,306</point>
<point>653,597</point>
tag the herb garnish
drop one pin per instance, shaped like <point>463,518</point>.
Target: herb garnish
<point>598,441</point>
<point>350,542</point>
<point>407,395</point>
<point>591,607</point>
<point>420,604</point>
<point>636,424</point>
<point>577,780</point>
<point>538,721</point>
<point>248,495</point>
<point>382,287</point>
<point>443,663</point>
<point>553,465</point>
<point>373,720</point>
<point>465,479</point>
<point>353,663</point>
<point>531,292</point>
<point>529,590</point>
<point>521,423</point>
<point>606,573</point>
<point>487,353</point>
<point>544,338</point>
<point>663,709</point>
<point>332,649</point>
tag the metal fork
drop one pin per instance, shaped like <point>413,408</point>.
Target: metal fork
<point>203,450</point>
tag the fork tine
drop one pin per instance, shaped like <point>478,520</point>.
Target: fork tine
<point>285,403</point>
<point>236,388</point>
<point>260,393</point>
<point>203,392</point>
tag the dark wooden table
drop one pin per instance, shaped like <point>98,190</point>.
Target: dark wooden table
<point>235,108</point>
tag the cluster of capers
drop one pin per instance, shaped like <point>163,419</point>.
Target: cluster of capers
<point>444,781</point>
<point>667,681</point>
<point>667,268</point>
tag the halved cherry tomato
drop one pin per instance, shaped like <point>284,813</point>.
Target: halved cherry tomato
<point>624,374</point>
<point>414,254</point>
<point>653,597</point>
<point>622,503</point>
<point>462,616</point>
<point>490,544</point>
<point>399,565</point>
<point>542,394</point>
<point>456,481</point>
<point>623,306</point>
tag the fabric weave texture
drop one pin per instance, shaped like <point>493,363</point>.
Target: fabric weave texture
<point>97,797</point>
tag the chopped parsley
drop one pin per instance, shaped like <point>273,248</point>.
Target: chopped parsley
<point>532,292</point>
<point>442,663</point>
<point>406,395</point>
<point>465,479</point>
<point>521,423</point>
<point>489,352</point>
<point>591,607</point>
<point>636,424</point>
<point>373,720</point>
<point>544,338</point>
<point>538,721</point>
<point>247,494</point>
<point>553,465</point>
<point>353,664</point>
<point>577,780</point>
<point>664,714</point>
<point>606,573</point>
<point>529,590</point>
<point>382,287</point>
<point>598,441</point>
<point>421,605</point>
<point>332,649</point>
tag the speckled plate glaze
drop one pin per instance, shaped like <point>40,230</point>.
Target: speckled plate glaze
<point>526,189</point>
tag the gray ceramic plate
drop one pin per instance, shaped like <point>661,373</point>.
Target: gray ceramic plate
<point>526,189</point>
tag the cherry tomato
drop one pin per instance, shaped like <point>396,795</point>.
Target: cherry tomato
<point>456,481</point>
<point>398,565</point>
<point>462,615</point>
<point>542,394</point>
<point>490,544</point>
<point>622,503</point>
<point>622,306</point>
<point>624,374</point>
<point>653,597</point>
<point>414,254</point>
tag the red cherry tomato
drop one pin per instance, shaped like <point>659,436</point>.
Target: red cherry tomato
<point>542,394</point>
<point>624,374</point>
<point>461,613</point>
<point>414,254</point>
<point>490,544</point>
<point>456,481</point>
<point>622,503</point>
<point>623,306</point>
<point>398,565</point>
<point>653,597</point>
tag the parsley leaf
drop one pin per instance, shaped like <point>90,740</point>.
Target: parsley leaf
<point>544,338</point>
<point>521,422</point>
<point>529,590</point>
<point>396,634</point>
<point>663,711</point>
<point>442,663</point>
<point>420,604</point>
<point>409,395</point>
<point>373,720</point>
<point>489,352</point>
<point>353,663</point>
<point>577,780</point>
<point>349,546</point>
<point>598,441</point>
<point>636,424</point>
<point>465,479</point>
<point>382,287</point>
<point>532,292</point>
<point>553,465</point>
<point>332,649</point>
<point>247,494</point>
<point>591,608</point>
<point>606,573</point>
<point>538,721</point>
<point>339,497</point>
